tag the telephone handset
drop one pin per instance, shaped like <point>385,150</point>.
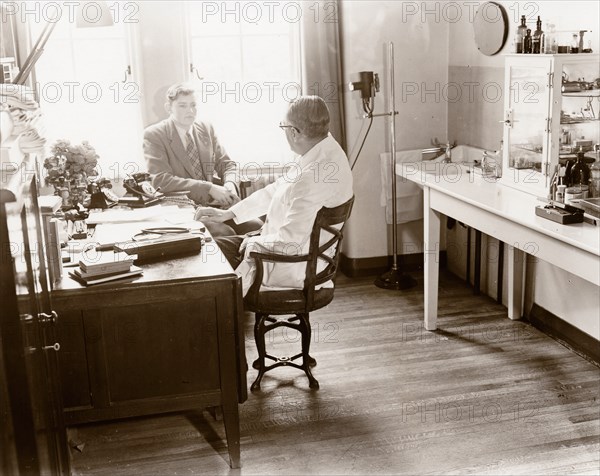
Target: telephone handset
<point>139,184</point>
<point>144,194</point>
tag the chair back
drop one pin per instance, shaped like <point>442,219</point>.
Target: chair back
<point>331,221</point>
<point>321,266</point>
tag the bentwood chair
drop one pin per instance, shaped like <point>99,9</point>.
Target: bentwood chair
<point>298,303</point>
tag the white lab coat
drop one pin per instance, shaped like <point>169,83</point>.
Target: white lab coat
<point>321,177</point>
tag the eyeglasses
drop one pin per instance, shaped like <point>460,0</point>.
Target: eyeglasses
<point>282,125</point>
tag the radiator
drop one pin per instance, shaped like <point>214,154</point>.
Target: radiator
<point>259,178</point>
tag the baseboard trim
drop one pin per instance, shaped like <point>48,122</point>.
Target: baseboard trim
<point>359,267</point>
<point>565,333</point>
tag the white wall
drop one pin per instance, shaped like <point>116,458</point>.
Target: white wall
<point>421,60</point>
<point>566,15</point>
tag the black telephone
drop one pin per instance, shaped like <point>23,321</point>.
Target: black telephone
<point>144,194</point>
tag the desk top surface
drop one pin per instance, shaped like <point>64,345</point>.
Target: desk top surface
<point>504,201</point>
<point>208,264</point>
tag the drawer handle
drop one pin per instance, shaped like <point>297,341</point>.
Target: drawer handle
<point>48,318</point>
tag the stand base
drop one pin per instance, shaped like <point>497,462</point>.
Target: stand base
<point>395,279</point>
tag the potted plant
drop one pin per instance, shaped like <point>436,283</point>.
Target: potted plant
<point>68,169</point>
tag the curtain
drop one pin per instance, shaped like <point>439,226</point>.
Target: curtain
<point>321,59</point>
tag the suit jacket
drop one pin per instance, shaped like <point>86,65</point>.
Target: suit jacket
<point>171,170</point>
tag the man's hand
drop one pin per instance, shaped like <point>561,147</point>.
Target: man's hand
<point>222,197</point>
<point>209,214</point>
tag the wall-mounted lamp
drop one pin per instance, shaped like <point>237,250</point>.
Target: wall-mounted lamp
<point>368,84</point>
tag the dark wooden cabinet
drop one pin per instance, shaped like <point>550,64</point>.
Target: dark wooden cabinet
<point>32,429</point>
<point>169,340</point>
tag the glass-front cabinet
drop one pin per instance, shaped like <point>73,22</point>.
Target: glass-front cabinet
<point>551,112</point>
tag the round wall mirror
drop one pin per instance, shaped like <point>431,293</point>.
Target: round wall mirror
<point>490,27</point>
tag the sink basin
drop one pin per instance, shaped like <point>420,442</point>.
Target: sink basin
<point>466,161</point>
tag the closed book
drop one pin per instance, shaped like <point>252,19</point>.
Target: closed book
<point>107,269</point>
<point>133,271</point>
<point>99,274</point>
<point>105,262</point>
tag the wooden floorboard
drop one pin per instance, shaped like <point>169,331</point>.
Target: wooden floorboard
<point>482,395</point>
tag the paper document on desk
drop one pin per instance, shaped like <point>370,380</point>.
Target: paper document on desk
<point>126,215</point>
<point>182,216</point>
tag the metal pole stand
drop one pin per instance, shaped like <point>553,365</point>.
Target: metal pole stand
<point>394,278</point>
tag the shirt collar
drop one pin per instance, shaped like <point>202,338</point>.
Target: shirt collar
<point>181,130</point>
<point>311,155</point>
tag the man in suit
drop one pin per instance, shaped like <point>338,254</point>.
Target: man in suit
<point>183,154</point>
<point>320,177</point>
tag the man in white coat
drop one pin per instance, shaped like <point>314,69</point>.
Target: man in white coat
<point>319,177</point>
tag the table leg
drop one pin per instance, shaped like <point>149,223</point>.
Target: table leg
<point>516,282</point>
<point>231,421</point>
<point>431,253</point>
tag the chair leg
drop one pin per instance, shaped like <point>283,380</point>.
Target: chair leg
<point>306,358</point>
<point>259,339</point>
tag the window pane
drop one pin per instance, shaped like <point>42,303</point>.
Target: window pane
<point>266,58</point>
<point>218,59</point>
<point>248,54</point>
<point>209,19</point>
<point>83,97</point>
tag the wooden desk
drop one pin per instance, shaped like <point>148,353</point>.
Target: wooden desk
<point>503,213</point>
<point>169,340</point>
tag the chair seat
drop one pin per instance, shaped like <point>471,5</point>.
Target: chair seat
<point>291,301</point>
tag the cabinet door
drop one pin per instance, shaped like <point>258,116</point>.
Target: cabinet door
<point>527,123</point>
<point>576,111</point>
<point>27,331</point>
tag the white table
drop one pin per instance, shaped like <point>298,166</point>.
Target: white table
<point>504,213</point>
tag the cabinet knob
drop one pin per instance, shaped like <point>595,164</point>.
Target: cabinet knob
<point>55,347</point>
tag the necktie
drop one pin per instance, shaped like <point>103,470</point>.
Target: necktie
<point>193,156</point>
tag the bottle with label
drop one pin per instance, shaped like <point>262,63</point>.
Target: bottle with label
<point>560,193</point>
<point>527,42</point>
<point>520,35</point>
<point>580,172</point>
<point>575,44</point>
<point>550,45</point>
<point>538,38</point>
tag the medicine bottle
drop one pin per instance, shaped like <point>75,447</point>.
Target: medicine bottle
<point>520,36</point>
<point>580,172</point>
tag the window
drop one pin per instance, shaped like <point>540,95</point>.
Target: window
<point>86,92</point>
<point>248,56</point>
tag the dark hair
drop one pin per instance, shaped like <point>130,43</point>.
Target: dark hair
<point>310,115</point>
<point>179,89</point>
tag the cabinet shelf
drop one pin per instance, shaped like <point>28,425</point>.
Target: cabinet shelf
<point>594,93</point>
<point>579,121</point>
